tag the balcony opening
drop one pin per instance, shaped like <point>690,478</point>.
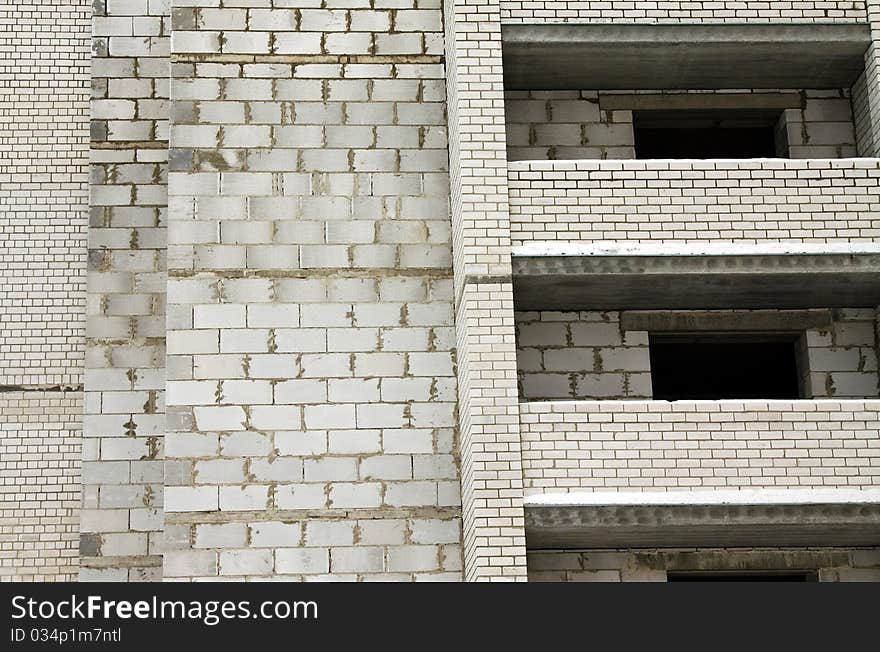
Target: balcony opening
<point>717,366</point>
<point>702,134</point>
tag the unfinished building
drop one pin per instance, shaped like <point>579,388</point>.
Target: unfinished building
<point>422,291</point>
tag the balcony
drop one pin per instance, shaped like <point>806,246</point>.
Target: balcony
<point>591,446</point>
<point>687,234</point>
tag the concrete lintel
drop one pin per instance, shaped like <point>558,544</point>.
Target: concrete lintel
<point>788,281</point>
<point>681,525</point>
<point>734,320</point>
<point>698,101</point>
<point>600,56</point>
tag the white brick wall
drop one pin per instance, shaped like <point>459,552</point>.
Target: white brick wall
<point>816,201</point>
<point>682,11</point>
<point>493,518</point>
<point>654,445</point>
<point>44,82</point>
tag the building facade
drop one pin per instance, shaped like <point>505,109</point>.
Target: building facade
<point>411,290</point>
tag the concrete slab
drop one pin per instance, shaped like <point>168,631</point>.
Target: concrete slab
<point>735,320</point>
<point>643,56</point>
<point>629,523</point>
<point>683,282</point>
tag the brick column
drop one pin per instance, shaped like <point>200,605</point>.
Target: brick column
<point>866,91</point>
<point>491,463</point>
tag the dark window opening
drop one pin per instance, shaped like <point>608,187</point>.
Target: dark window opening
<point>738,576</point>
<point>707,134</point>
<point>701,366</point>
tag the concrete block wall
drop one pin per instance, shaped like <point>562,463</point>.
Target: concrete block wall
<point>311,429</point>
<point>653,564</point>
<point>580,355</point>
<point>682,11</point>
<point>685,445</point>
<point>843,359</point>
<point>124,411</point>
<point>823,127</point>
<point>564,125</point>
<point>44,81</point>
<point>561,125</point>
<point>587,355</point>
<point>686,202</point>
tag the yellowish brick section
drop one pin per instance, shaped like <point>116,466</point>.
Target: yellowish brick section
<point>39,485</point>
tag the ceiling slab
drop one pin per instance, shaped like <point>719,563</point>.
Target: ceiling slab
<point>787,281</point>
<point>643,56</point>
<point>648,526</point>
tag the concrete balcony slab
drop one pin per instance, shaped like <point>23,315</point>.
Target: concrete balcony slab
<point>704,518</point>
<point>602,56</point>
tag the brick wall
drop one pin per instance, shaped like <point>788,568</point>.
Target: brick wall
<point>44,77</point>
<point>491,471</point>
<point>44,81</point>
<point>587,355</point>
<point>818,201</point>
<point>681,11</point>
<point>648,445</point>
<point>653,564</point>
<point>311,389</point>
<point>124,421</point>
<point>564,125</point>
<point>866,91</point>
<point>39,485</point>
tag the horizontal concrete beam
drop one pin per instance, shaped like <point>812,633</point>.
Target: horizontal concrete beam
<point>630,523</point>
<point>683,282</point>
<point>735,320</point>
<point>702,102</point>
<point>644,56</point>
